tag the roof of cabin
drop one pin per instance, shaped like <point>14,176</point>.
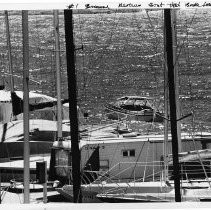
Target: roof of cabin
<point>5,96</point>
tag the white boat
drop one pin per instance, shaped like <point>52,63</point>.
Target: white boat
<point>139,108</point>
<point>195,183</point>
<point>42,135</point>
<point>13,169</point>
<point>190,195</point>
<point>135,154</point>
<point>91,193</point>
<point>43,127</point>
<point>107,189</point>
<point>140,191</point>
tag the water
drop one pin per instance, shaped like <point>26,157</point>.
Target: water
<point>122,55</point>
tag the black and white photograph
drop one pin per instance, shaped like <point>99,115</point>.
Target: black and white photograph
<point>102,104</point>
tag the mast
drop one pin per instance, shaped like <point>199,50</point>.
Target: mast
<point>9,51</point>
<point>166,110</point>
<point>174,38</point>
<point>172,101</point>
<point>58,74</point>
<point>9,56</point>
<point>26,102</point>
<point>72,93</point>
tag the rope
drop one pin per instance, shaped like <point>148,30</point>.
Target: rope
<point>201,162</point>
<point>133,172</point>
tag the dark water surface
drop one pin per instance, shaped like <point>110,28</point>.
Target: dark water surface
<point>122,55</point>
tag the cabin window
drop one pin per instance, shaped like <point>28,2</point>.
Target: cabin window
<point>132,153</point>
<point>125,153</point>
<point>128,153</point>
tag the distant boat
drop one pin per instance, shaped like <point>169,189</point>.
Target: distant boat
<point>139,108</point>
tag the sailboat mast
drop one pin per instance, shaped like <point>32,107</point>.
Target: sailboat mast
<point>166,123</point>
<point>9,51</point>
<point>172,101</point>
<point>58,74</point>
<point>26,102</point>
<point>72,93</point>
<point>174,38</point>
<point>9,54</point>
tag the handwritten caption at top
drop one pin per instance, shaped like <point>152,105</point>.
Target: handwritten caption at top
<point>153,4</point>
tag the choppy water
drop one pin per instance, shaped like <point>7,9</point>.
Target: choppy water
<point>122,55</point>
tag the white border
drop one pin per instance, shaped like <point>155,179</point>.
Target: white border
<point>108,4</point>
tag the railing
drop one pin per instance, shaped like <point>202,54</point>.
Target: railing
<point>137,172</point>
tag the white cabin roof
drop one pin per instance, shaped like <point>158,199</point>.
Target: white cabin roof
<point>13,131</point>
<point>121,139</point>
<point>5,96</point>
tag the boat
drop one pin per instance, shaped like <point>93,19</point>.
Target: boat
<point>42,135</point>
<point>13,169</point>
<point>195,183</point>
<point>190,195</point>
<point>123,152</point>
<point>183,164</point>
<point>123,160</point>
<point>17,186</point>
<point>106,188</point>
<point>6,105</point>
<point>43,127</point>
<point>164,191</point>
<point>138,108</point>
<point>91,193</point>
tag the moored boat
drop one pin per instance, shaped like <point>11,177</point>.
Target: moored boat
<point>139,108</point>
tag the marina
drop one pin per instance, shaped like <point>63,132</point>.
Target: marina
<point>111,107</point>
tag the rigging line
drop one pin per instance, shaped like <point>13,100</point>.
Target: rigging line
<point>146,161</point>
<point>157,84</point>
<point>183,42</point>
<point>163,61</point>
<point>22,77</point>
<point>193,123</point>
<point>103,50</point>
<point>83,59</point>
<point>137,160</point>
<point>156,37</point>
<point>3,56</point>
<point>153,29</point>
<point>200,159</point>
<point>127,37</point>
<point>205,17</point>
<point>39,51</point>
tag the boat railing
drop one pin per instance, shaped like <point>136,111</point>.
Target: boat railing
<point>151,171</point>
<point>119,170</point>
<point>186,182</point>
<point>194,169</point>
<point>190,169</point>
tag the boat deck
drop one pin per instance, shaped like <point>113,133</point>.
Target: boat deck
<point>14,169</point>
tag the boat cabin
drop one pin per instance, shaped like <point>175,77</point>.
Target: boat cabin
<point>120,158</point>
